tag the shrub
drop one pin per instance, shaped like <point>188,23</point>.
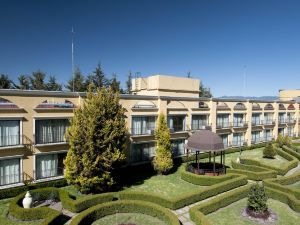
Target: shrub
<point>163,161</point>
<point>257,199</point>
<point>283,140</point>
<point>125,206</point>
<point>269,151</point>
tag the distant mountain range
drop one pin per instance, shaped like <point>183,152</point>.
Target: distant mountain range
<point>270,98</point>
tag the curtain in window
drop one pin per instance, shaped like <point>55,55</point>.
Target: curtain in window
<point>238,119</point>
<point>51,131</point>
<point>46,166</point>
<point>225,140</point>
<point>238,139</point>
<point>141,125</point>
<point>223,120</point>
<point>9,132</point>
<point>9,171</point>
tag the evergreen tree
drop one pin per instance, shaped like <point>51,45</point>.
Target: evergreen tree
<point>115,84</point>
<point>5,82</point>
<point>79,84</point>
<point>97,138</point>
<point>257,199</point>
<point>24,82</point>
<point>37,80</point>
<point>269,151</point>
<point>163,161</point>
<point>283,140</point>
<point>52,84</point>
<point>204,91</point>
<point>97,79</point>
<point>129,83</point>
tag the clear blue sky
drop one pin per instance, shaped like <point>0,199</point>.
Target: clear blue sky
<point>212,39</point>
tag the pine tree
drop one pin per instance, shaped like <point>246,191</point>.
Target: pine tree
<point>24,82</point>
<point>97,138</point>
<point>129,83</point>
<point>52,85</point>
<point>37,80</point>
<point>163,161</point>
<point>5,82</point>
<point>115,84</point>
<point>97,79</point>
<point>79,84</point>
<point>204,91</point>
<point>257,199</point>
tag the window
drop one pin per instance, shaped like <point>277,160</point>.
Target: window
<point>225,140</point>
<point>290,131</point>
<point>50,130</point>
<point>9,132</point>
<point>255,118</point>
<point>238,139</point>
<point>50,165</point>
<point>9,171</point>
<point>281,131</point>
<point>268,118</point>
<point>198,121</point>
<point>177,123</point>
<point>238,120</point>
<point>178,147</point>
<point>290,117</point>
<point>142,152</point>
<point>268,135</point>
<point>255,136</point>
<point>281,117</point>
<point>143,125</point>
<point>223,120</point>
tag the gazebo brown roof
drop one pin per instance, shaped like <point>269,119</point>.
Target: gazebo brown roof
<point>205,141</point>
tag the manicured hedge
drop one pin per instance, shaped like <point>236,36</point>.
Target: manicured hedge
<point>125,206</point>
<point>202,179</point>
<point>293,162</point>
<point>190,197</point>
<point>198,212</point>
<point>291,151</point>
<point>12,192</point>
<point>49,215</point>
<point>251,171</point>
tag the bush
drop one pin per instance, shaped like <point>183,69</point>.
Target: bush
<point>269,151</point>
<point>283,140</point>
<point>292,151</point>
<point>257,199</point>
<point>125,206</point>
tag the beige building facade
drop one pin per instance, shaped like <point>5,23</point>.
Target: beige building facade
<point>33,123</point>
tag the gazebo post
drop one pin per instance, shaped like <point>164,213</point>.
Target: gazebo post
<point>214,163</point>
<point>224,163</point>
<point>221,157</point>
<point>197,153</point>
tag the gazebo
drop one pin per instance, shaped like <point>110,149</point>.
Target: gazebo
<point>210,142</point>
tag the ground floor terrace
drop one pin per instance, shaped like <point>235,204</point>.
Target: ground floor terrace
<point>181,197</point>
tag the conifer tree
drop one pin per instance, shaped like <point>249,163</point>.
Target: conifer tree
<point>115,84</point>
<point>129,83</point>
<point>79,84</point>
<point>97,79</point>
<point>37,80</point>
<point>24,82</point>
<point>5,82</point>
<point>163,161</point>
<point>52,84</point>
<point>97,138</point>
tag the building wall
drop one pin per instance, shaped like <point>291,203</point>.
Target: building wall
<point>287,95</point>
<point>142,105</point>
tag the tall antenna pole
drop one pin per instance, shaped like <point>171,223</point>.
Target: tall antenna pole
<point>72,33</point>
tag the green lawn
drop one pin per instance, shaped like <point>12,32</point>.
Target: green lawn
<point>129,218</point>
<point>256,154</point>
<point>168,186</point>
<point>231,213</point>
<point>6,221</point>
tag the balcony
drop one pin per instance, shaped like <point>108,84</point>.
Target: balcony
<point>223,125</point>
<point>282,121</point>
<point>179,128</point>
<point>291,121</point>
<point>239,143</point>
<point>257,123</point>
<point>238,124</point>
<point>201,126</point>
<point>149,130</point>
<point>268,122</point>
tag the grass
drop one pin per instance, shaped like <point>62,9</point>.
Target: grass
<point>295,185</point>
<point>167,186</point>
<point>227,215</point>
<point>5,220</point>
<point>129,218</point>
<point>73,191</point>
<point>256,154</point>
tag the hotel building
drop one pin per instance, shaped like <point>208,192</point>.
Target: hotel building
<point>33,123</point>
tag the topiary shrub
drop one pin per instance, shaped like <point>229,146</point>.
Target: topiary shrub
<point>283,140</point>
<point>269,151</point>
<point>257,199</point>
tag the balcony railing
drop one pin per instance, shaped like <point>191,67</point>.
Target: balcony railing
<point>268,122</point>
<point>282,121</point>
<point>257,123</point>
<point>201,126</point>
<point>178,128</point>
<point>239,124</point>
<point>46,140</point>
<point>149,130</point>
<point>239,143</point>
<point>290,120</point>
<point>223,125</point>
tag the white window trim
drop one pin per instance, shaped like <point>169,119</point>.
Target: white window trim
<point>21,171</point>
<point>20,129</point>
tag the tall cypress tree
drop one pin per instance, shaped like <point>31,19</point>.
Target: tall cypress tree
<point>97,138</point>
<point>163,161</point>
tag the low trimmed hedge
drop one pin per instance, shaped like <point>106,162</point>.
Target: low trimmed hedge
<point>12,192</point>
<point>125,206</point>
<point>291,151</point>
<point>189,197</point>
<point>252,172</point>
<point>198,212</point>
<point>293,162</point>
<point>202,179</point>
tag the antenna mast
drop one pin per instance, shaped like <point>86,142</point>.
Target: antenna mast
<point>72,34</point>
